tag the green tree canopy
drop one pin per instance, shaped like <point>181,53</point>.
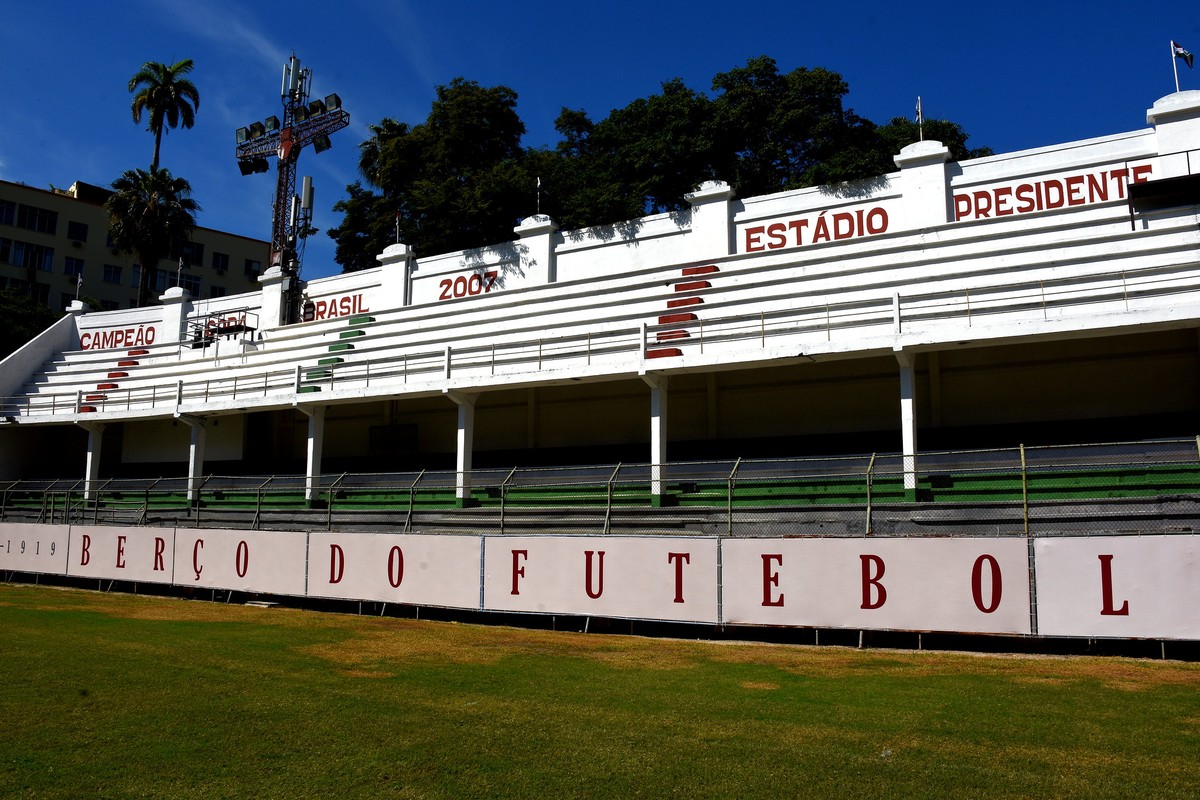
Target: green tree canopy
<point>149,213</point>
<point>21,319</point>
<point>461,178</point>
<point>168,98</point>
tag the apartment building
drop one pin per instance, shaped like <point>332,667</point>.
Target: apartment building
<point>54,243</point>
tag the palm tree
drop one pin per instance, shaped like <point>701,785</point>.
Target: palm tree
<point>166,97</point>
<point>149,213</point>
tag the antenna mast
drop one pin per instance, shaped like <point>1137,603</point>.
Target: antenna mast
<point>304,122</point>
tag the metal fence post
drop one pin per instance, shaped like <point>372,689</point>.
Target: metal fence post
<point>870,478</point>
<point>608,506</point>
<point>1024,491</point>
<point>729,497</point>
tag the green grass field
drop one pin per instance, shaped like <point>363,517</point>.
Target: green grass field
<point>119,696</point>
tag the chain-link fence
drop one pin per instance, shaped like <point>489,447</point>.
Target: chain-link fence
<point>1140,487</point>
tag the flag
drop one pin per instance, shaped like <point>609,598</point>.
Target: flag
<point>1179,51</point>
<point>920,118</point>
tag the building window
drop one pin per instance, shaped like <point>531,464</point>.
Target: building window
<point>253,267</point>
<point>41,293</point>
<point>36,219</point>
<point>192,254</point>
<point>26,255</point>
<point>191,284</point>
<point>112,273</point>
<point>8,212</point>
<point>108,305</point>
<point>158,280</point>
<point>220,262</point>
<point>216,291</point>
<point>73,266</point>
<point>77,231</point>
<point>136,272</point>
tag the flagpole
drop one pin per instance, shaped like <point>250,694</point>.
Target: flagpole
<point>1175,65</point>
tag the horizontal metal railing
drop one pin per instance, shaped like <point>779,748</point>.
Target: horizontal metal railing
<point>1139,487</point>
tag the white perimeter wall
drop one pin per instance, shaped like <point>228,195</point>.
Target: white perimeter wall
<point>1104,586</point>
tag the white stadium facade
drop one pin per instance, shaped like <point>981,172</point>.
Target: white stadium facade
<point>872,407</point>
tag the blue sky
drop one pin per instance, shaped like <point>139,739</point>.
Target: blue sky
<point>1015,75</point>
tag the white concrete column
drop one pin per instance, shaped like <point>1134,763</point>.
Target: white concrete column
<point>396,284</point>
<point>273,283</point>
<point>712,220</point>
<point>316,443</point>
<point>658,436</point>
<point>1176,121</point>
<point>537,235</point>
<point>464,445</point>
<point>91,470</point>
<point>195,453</point>
<point>908,417</point>
<point>927,202</point>
<point>176,304</point>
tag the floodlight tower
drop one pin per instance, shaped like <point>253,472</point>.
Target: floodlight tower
<point>303,123</point>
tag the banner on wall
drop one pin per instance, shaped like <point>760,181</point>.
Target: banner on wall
<point>396,568</point>
<point>1119,586</point>
<point>666,578</point>
<point>971,585</point>
<point>270,562</point>
<point>141,555</point>
<point>34,548</point>
<point>1106,586</point>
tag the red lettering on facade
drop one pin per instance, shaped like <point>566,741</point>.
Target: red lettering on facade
<point>598,589</point>
<point>679,559</point>
<point>518,571</point>
<point>160,546</point>
<point>823,227</point>
<point>977,583</point>
<point>872,572</point>
<point>395,567</point>
<point>241,559</point>
<point>121,552</point>
<point>1106,590</point>
<point>85,554</point>
<point>1072,190</point>
<point>771,579</point>
<point>753,245</point>
<point>196,548</point>
<point>337,564</point>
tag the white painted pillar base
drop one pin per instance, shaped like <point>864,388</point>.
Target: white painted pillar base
<point>316,444</point>
<point>658,437</point>
<point>195,454</point>
<point>908,417</point>
<point>464,446</point>
<point>91,470</point>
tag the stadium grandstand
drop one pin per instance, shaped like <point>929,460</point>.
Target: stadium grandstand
<point>959,397</point>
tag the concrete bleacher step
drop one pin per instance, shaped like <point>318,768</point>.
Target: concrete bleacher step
<point>337,348</point>
<point>127,362</point>
<point>351,334</point>
<point>361,320</point>
<point>93,397</point>
<point>105,386</point>
<point>118,375</point>
<point>309,389</point>
<point>323,362</point>
<point>138,352</point>
<point>318,374</point>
